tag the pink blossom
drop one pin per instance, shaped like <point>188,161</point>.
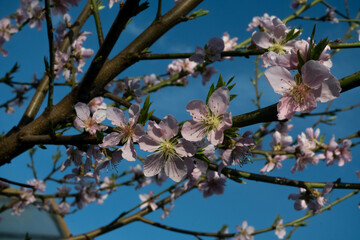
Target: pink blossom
<point>180,66</point>
<point>63,190</point>
<point>280,231</point>
<point>229,44</point>
<point>304,150</point>
<point>111,3</point>
<point>166,211</point>
<point>38,184</point>
<point>130,87</point>
<point>358,174</point>
<point>97,104</point>
<point>62,6</point>
<point>161,138</point>
<point>340,153</point>
<point>63,208</point>
<point>150,79</point>
<point>311,198</point>
<point>108,184</point>
<point>126,132</point>
<point>73,156</point>
<point>2,50</point>
<point>273,162</point>
<point>84,120</point>
<point>211,120</point>
<point>26,197</point>
<point>214,184</point>
<point>139,177</point>
<point>238,151</point>
<point>244,232</point>
<point>6,30</point>
<point>149,200</point>
<point>315,84</point>
<point>260,22</point>
<point>212,51</point>
<point>331,15</point>
<point>206,74</point>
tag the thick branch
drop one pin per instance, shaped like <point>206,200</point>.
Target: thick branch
<point>63,112</point>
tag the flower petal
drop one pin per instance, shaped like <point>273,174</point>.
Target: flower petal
<point>330,90</point>
<point>153,165</point>
<point>197,109</point>
<point>280,79</point>
<point>128,151</point>
<point>193,131</point>
<point>185,148</point>
<point>262,40</point>
<point>219,101</point>
<point>314,74</point>
<point>116,116</point>
<point>134,112</point>
<point>169,127</point>
<point>175,169</point>
<point>111,140</point>
<point>82,111</point>
<point>148,144</point>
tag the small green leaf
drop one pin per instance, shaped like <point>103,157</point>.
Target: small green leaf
<point>199,13</point>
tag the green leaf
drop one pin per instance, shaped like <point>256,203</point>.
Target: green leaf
<point>199,13</point>
<point>319,48</point>
<point>144,113</point>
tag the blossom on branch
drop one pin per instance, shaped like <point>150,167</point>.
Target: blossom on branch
<point>315,84</point>
<point>127,132</point>
<point>169,152</point>
<point>208,120</point>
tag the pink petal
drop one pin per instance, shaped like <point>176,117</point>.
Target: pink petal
<point>185,148</point>
<point>155,132</point>
<point>219,101</point>
<point>262,40</point>
<point>193,131</point>
<point>314,74</point>
<point>116,116</point>
<point>78,123</point>
<point>279,79</point>
<point>134,112</point>
<point>330,89</point>
<point>82,111</point>
<point>285,108</point>
<point>99,116</point>
<point>197,109</point>
<point>216,136</point>
<point>169,127</point>
<point>138,132</point>
<point>153,165</point>
<point>111,140</point>
<point>175,169</point>
<point>148,144</point>
<point>128,151</point>
<point>226,122</point>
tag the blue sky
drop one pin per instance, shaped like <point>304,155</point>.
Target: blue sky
<point>258,203</point>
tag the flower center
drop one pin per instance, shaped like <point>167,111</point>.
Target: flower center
<point>299,92</point>
<point>211,122</point>
<point>167,147</point>
<point>278,48</point>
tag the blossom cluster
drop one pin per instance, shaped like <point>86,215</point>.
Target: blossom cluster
<point>313,83</point>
